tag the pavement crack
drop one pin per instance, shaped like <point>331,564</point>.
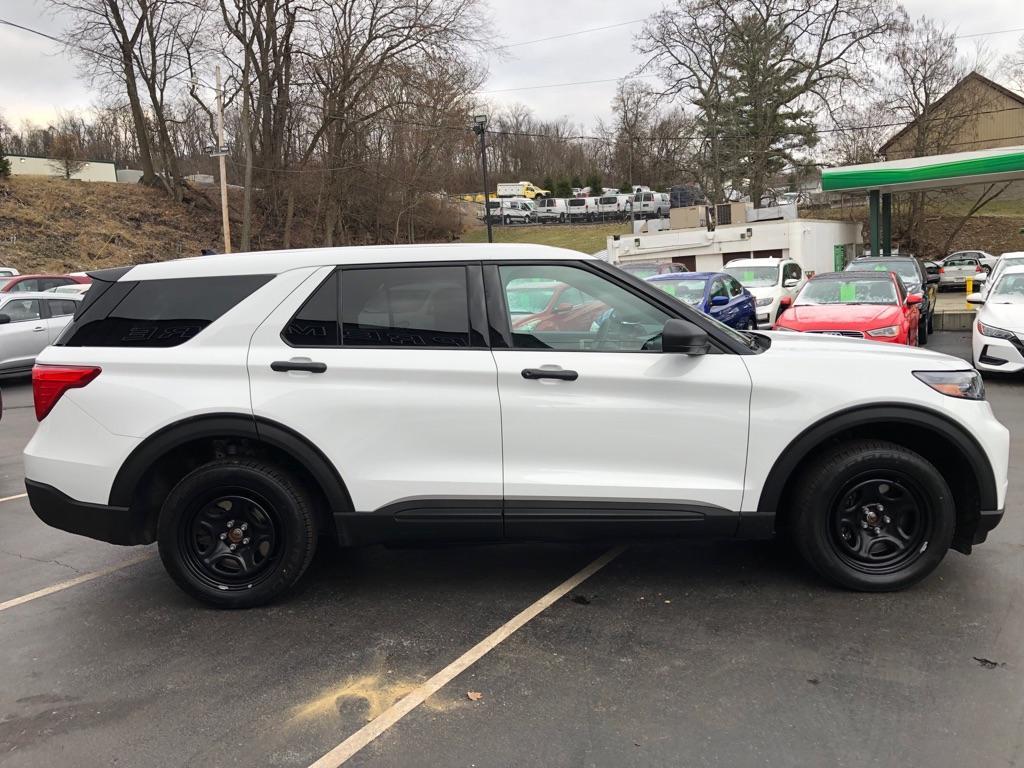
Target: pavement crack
<point>39,560</point>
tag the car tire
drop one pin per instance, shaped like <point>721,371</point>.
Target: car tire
<point>561,218</point>
<point>507,220</point>
<point>922,333</point>
<point>258,508</point>
<point>899,496</point>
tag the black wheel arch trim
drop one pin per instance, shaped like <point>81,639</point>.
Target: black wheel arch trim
<point>229,425</point>
<point>833,424</point>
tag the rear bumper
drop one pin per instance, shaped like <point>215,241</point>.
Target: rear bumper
<point>97,521</point>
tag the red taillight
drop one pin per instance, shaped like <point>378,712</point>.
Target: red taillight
<point>978,269</point>
<point>50,382</point>
<point>942,270</point>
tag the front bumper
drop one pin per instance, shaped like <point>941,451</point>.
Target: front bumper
<point>97,521</point>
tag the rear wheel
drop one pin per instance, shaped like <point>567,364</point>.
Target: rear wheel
<point>236,533</point>
<point>507,219</point>
<point>872,516</point>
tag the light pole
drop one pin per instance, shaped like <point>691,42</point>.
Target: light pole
<point>480,129</point>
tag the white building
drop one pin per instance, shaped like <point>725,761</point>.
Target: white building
<point>818,245</point>
<point>44,166</point>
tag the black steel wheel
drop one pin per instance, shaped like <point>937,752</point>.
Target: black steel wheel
<point>872,515</point>
<point>237,533</point>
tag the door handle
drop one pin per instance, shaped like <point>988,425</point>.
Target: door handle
<point>39,328</point>
<point>550,373</point>
<point>282,366</point>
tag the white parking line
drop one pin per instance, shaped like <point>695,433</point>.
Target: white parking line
<point>12,498</point>
<point>354,743</point>
<point>16,601</point>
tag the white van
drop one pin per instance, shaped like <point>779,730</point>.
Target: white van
<point>582,208</point>
<point>552,209</point>
<point>614,206</point>
<point>653,204</point>
<point>506,211</point>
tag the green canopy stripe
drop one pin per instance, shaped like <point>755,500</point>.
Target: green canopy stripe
<point>878,175</point>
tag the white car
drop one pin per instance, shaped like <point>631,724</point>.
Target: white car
<point>1009,259</point>
<point>506,211</point>
<point>9,272</point>
<point>770,280</point>
<point>997,340</point>
<point>986,260</point>
<point>236,408</point>
<point>582,208</point>
<point>28,322</point>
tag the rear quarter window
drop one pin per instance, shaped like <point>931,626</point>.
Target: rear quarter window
<point>156,313</point>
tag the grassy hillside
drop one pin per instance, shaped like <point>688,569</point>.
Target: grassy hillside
<point>587,238</point>
<point>55,225</point>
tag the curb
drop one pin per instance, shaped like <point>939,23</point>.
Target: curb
<point>953,321</point>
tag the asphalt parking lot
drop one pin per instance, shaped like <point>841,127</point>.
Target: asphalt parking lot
<point>713,653</point>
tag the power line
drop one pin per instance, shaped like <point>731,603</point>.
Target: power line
<point>571,34</point>
<point>33,31</point>
<point>564,85</point>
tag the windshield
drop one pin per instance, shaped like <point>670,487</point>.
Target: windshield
<point>851,290</point>
<point>1009,290</point>
<point>4,281</point>
<point>690,291</point>
<point>906,270</point>
<point>755,277</point>
<point>642,272</point>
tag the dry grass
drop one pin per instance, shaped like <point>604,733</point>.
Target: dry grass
<point>55,225</point>
<point>587,238</point>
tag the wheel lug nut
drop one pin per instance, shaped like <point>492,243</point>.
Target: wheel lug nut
<point>878,530</point>
<point>245,540</point>
<point>231,523</point>
<point>863,524</point>
<point>886,520</point>
<point>223,536</point>
<point>245,526</point>
<point>232,547</point>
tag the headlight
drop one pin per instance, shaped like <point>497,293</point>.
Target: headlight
<point>966,385</point>
<point>784,328</point>
<point>888,332</point>
<point>765,302</point>
<point>996,333</point>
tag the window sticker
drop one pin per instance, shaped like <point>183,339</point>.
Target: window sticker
<point>848,292</point>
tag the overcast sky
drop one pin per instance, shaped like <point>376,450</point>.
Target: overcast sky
<point>36,79</point>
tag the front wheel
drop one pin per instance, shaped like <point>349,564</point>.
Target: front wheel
<point>873,516</point>
<point>236,533</point>
<point>922,332</point>
<point>561,218</point>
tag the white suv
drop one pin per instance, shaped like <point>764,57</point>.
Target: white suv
<point>235,408</point>
<point>770,280</point>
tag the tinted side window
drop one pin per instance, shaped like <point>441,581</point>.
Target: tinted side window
<point>405,307</point>
<point>61,307</point>
<point>735,289</point>
<point>25,286</point>
<point>157,313</point>
<point>316,322</point>
<point>718,288</point>
<point>791,272</point>
<point>21,309</point>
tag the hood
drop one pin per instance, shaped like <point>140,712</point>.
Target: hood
<point>1009,317</point>
<point>803,343</point>
<point>825,317</point>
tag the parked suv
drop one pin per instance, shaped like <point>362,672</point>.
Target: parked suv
<point>236,408</point>
<point>771,281</point>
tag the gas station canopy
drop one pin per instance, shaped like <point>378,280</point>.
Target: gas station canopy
<point>981,167</point>
<point>880,180</point>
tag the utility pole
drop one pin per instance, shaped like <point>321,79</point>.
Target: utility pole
<point>220,154</point>
<point>480,129</point>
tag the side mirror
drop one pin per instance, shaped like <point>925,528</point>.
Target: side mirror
<point>683,337</point>
<point>972,298</point>
<point>561,309</point>
<point>4,319</point>
<point>791,283</point>
<point>785,301</point>
<point>719,301</point>
<point>914,298</point>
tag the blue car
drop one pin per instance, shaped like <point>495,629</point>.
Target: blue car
<point>713,293</point>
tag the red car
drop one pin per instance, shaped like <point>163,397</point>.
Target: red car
<point>861,305</point>
<point>38,282</point>
<point>553,306</point>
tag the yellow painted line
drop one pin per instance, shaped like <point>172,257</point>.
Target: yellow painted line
<point>354,743</point>
<point>12,498</point>
<point>16,601</point>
